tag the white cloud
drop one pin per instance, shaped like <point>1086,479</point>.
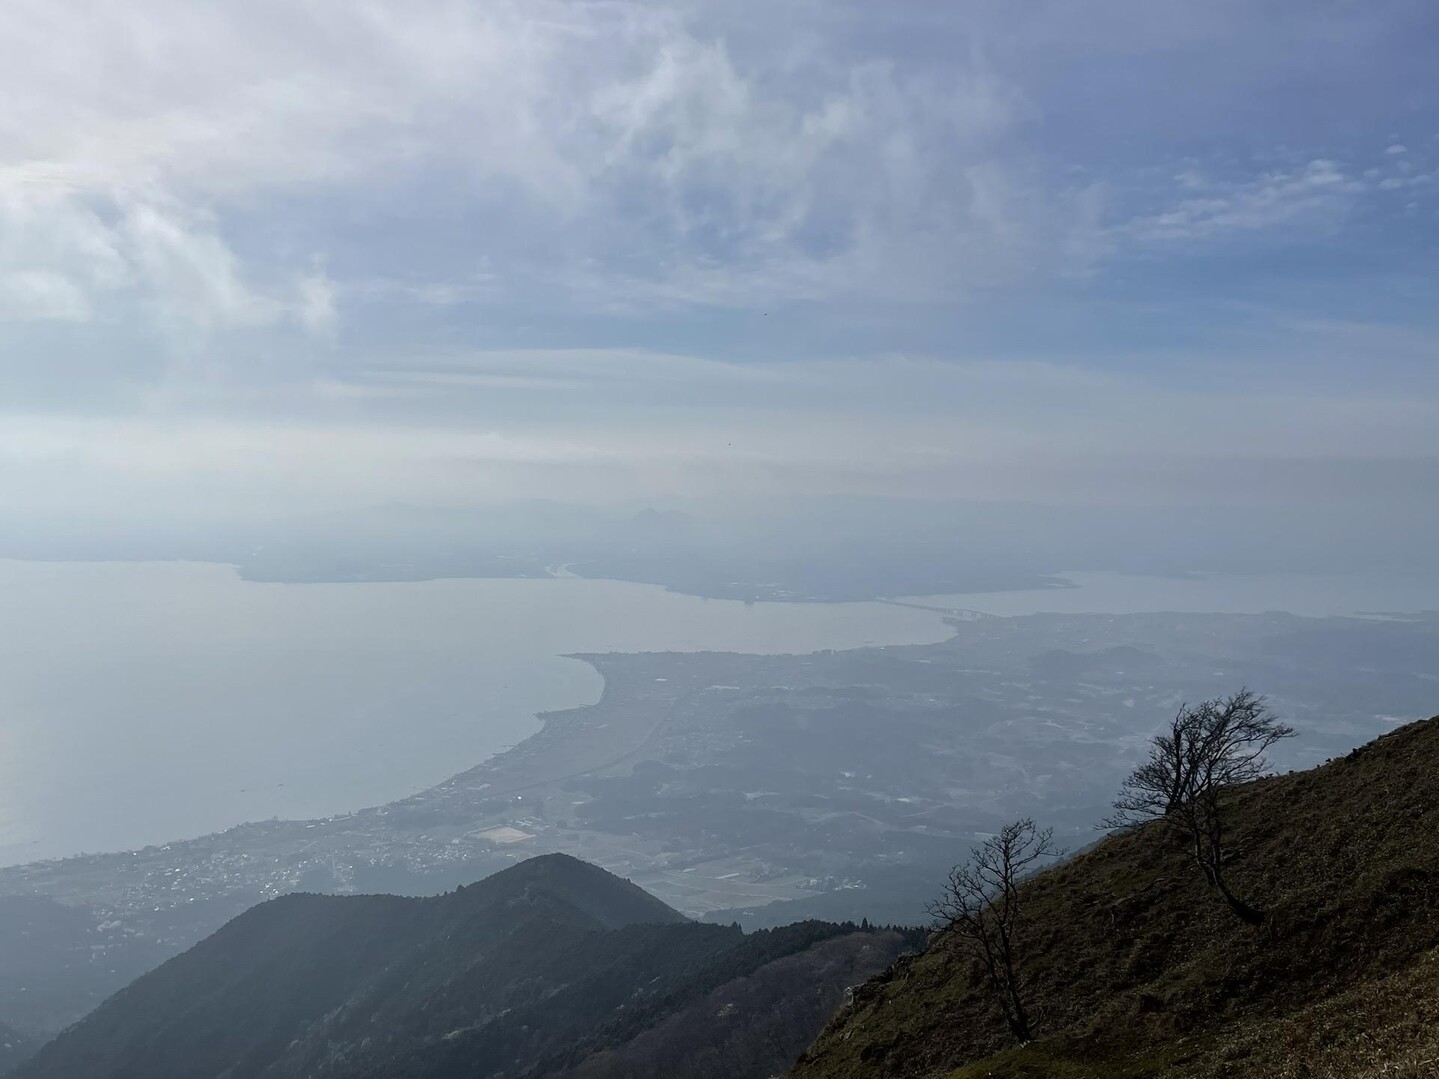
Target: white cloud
<point>315,305</point>
<point>1318,194</point>
<point>41,295</point>
<point>193,278</point>
<point>613,155</point>
<point>635,156</point>
<point>55,252</point>
<point>72,256</point>
<point>378,185</point>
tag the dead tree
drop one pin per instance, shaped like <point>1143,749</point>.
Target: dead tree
<point>1208,747</point>
<point>981,911</point>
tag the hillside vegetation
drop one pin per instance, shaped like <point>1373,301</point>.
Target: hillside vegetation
<point>1136,969</point>
<point>552,967</point>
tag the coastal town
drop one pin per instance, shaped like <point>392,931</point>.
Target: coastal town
<point>710,778</point>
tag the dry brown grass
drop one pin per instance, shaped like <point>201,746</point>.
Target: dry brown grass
<point>1387,1027</point>
<point>1137,970</point>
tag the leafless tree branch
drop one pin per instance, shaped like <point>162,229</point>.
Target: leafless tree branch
<point>981,909</point>
<point>1209,746</point>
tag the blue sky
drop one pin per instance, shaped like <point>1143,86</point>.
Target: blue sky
<point>263,256</point>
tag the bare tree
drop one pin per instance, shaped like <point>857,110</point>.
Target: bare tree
<point>1208,747</point>
<point>981,909</point>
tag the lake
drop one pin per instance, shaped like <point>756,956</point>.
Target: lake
<point>145,702</point>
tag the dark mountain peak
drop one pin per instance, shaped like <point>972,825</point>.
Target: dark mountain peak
<point>531,971</point>
<point>611,901</point>
<point>549,869</point>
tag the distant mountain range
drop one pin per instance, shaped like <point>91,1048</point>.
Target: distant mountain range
<point>553,967</point>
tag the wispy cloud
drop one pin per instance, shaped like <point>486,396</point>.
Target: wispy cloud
<point>285,252</point>
<point>633,153</point>
<point>1316,195</point>
<point>1308,201</point>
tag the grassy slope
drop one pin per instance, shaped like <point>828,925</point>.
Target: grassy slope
<point>1138,971</point>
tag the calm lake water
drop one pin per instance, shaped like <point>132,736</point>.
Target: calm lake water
<point>144,702</point>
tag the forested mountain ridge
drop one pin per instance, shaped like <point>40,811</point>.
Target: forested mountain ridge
<point>1136,970</point>
<point>537,970</point>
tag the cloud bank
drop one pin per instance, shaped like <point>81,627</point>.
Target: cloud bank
<point>260,257</point>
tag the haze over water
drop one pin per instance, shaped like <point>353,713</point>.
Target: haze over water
<point>146,702</point>
<point>1310,594</point>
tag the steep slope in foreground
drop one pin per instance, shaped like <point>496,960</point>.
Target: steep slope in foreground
<point>1137,970</point>
<point>532,971</point>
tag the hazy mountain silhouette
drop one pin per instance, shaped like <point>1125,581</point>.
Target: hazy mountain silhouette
<point>533,971</point>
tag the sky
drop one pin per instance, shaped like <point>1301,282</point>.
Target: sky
<point>262,257</point>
